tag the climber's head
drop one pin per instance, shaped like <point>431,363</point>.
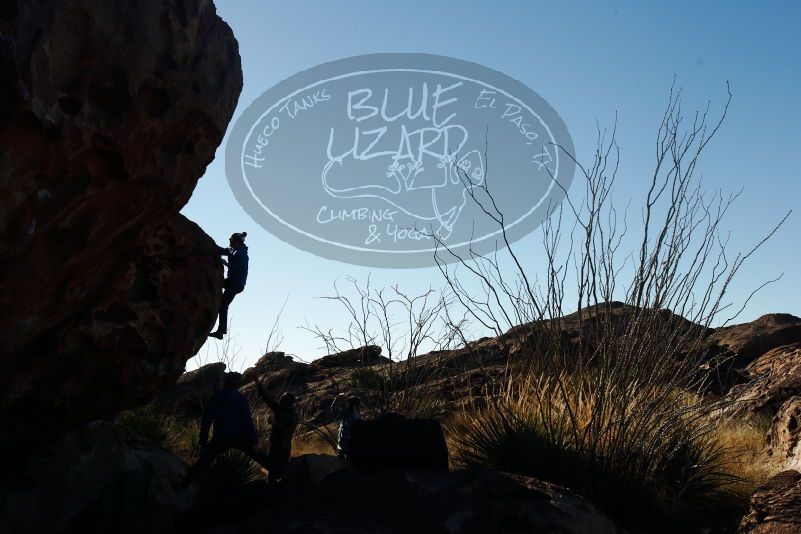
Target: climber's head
<point>237,240</point>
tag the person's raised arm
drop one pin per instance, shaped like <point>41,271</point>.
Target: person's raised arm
<point>271,403</point>
<point>337,407</point>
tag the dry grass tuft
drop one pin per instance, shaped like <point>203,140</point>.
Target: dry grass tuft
<point>743,439</point>
<point>658,461</point>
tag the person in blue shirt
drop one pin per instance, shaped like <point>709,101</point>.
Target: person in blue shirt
<point>228,412</point>
<point>235,281</point>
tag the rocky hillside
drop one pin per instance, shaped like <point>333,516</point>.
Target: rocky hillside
<point>759,360</point>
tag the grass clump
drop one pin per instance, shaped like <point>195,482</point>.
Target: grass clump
<point>407,390</point>
<point>230,470</point>
<point>643,470</point>
<point>146,427</point>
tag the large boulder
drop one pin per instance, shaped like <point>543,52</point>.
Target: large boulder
<point>269,363</point>
<point>401,501</point>
<point>94,480</point>
<point>775,506</point>
<point>306,470</point>
<point>109,114</point>
<point>392,440</point>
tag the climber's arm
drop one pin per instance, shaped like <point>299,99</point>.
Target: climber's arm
<point>337,407</point>
<point>271,403</point>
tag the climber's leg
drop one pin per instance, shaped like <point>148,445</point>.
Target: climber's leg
<point>229,292</point>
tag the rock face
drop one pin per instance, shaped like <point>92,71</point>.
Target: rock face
<point>92,480</point>
<point>784,435</point>
<point>775,506</point>
<point>774,377</point>
<point>270,362</point>
<point>109,114</point>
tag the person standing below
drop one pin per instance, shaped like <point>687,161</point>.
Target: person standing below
<point>285,421</point>
<point>228,411</point>
<point>235,281</point>
<point>347,412</point>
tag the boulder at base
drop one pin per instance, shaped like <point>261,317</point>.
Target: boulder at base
<point>402,501</point>
<point>392,440</point>
<point>94,480</point>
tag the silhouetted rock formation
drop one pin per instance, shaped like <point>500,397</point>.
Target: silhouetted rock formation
<point>189,395</point>
<point>402,501</point>
<point>110,114</point>
<point>367,355</point>
<point>93,480</point>
<point>270,362</point>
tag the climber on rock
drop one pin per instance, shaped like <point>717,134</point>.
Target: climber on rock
<point>228,412</point>
<point>285,421</point>
<point>235,281</point>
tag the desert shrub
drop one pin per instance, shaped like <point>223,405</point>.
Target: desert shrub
<point>366,379</point>
<point>146,427</point>
<point>230,470</point>
<point>613,400</point>
<point>403,325</point>
<point>403,389</point>
<point>414,393</point>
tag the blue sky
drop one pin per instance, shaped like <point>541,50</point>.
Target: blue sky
<point>589,60</point>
